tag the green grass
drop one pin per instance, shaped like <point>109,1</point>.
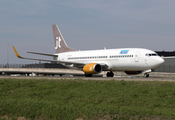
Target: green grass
<point>86,99</point>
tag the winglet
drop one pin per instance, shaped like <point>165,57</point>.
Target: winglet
<point>16,52</point>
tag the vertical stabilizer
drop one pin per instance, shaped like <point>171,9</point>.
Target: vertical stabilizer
<point>60,44</point>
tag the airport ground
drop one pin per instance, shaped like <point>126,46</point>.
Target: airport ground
<point>154,76</point>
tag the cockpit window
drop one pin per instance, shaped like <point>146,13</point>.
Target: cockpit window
<point>151,54</point>
<point>154,54</point>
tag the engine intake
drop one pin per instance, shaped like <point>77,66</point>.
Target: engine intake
<point>92,68</point>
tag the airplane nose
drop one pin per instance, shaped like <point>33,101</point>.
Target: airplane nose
<point>160,61</point>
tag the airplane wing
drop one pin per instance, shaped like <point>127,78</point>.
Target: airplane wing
<point>55,61</point>
<point>31,58</point>
<point>42,54</point>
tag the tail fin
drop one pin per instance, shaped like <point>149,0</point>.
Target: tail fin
<point>60,44</point>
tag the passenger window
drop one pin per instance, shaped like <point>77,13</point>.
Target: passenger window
<point>148,55</point>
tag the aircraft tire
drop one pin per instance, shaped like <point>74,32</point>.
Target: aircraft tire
<point>146,75</point>
<point>110,74</point>
<point>88,75</point>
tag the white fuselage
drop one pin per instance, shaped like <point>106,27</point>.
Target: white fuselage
<point>125,59</point>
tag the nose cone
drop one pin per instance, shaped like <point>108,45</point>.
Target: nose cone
<point>159,61</point>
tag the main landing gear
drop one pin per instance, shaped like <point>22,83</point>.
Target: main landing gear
<point>110,74</point>
<point>88,75</point>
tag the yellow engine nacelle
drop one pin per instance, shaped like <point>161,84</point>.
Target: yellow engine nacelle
<point>92,68</point>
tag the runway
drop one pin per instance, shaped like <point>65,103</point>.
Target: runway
<point>116,78</point>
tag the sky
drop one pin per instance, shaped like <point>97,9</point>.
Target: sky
<point>85,25</point>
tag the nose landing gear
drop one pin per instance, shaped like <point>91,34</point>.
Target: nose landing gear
<point>110,74</point>
<point>146,75</point>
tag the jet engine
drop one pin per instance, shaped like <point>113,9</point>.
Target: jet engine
<point>92,68</point>
<point>133,72</point>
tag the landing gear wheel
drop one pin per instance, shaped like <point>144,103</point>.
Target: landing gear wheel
<point>146,75</point>
<point>88,75</point>
<point>110,74</point>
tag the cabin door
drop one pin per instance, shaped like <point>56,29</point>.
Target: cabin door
<point>137,57</point>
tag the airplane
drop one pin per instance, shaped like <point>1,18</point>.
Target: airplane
<point>132,61</point>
